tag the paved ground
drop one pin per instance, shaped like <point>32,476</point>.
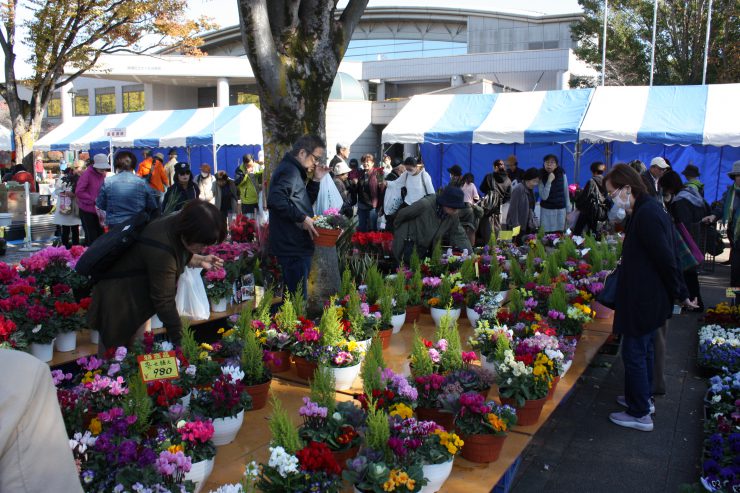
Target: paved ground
<point>579,449</point>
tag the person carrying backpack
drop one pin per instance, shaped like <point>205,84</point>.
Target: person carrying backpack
<point>142,281</point>
<point>591,202</point>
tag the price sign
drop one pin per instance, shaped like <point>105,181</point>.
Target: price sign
<point>158,366</point>
<point>730,292</point>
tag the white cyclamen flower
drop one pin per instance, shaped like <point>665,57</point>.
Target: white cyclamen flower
<point>284,462</point>
<point>235,372</point>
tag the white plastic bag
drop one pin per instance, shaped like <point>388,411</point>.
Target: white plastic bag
<point>263,216</point>
<point>191,298</point>
<point>393,200</point>
<point>329,197</point>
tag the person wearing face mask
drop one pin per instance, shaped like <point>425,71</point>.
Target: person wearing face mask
<point>591,203</point>
<point>418,182</point>
<point>429,220</point>
<point>649,281</point>
<point>521,205</point>
<point>554,195</point>
<point>182,191</point>
<point>205,181</point>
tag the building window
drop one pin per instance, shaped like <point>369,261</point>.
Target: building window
<point>54,109</point>
<point>82,103</point>
<point>133,98</point>
<point>247,98</point>
<point>105,101</point>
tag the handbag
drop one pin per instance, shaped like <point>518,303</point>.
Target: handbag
<point>695,250</point>
<point>684,257</point>
<point>608,295</point>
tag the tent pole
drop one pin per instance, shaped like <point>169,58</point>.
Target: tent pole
<point>577,162</point>
<point>213,140</point>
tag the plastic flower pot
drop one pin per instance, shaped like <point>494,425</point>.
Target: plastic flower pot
<point>344,455</point>
<point>304,368</point>
<point>530,413</point>
<point>438,312</point>
<point>225,429</point>
<point>436,474</point>
<point>385,337</point>
<point>199,473</point>
<point>66,342</point>
<point>345,377</point>
<point>489,365</point>
<point>279,361</point>
<point>472,315</point>
<point>551,392</point>
<point>44,352</point>
<point>219,306</point>
<point>327,237</point>
<point>413,312</point>
<point>444,419</point>
<point>397,322</point>
<point>482,448</point>
<point>95,337</point>
<point>259,394</point>
<point>566,367</point>
<point>364,347</point>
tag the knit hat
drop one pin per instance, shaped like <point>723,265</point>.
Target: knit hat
<point>452,197</point>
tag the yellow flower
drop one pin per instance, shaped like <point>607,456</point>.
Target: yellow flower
<point>411,484</point>
<point>401,410</point>
<point>228,333</point>
<point>173,449</point>
<point>340,311</point>
<point>389,486</point>
<point>206,346</point>
<point>434,301</point>
<point>496,423</point>
<point>220,331</point>
<point>203,355</point>
<point>352,346</point>
<point>95,426</point>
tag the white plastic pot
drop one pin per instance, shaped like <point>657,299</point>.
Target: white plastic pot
<point>199,473</point>
<point>219,306</point>
<point>488,365</point>
<point>397,321</point>
<point>95,337</point>
<point>44,352</point>
<point>225,429</point>
<point>566,367</point>
<point>438,312</point>
<point>473,316</point>
<point>364,347</point>
<point>345,377</point>
<point>436,474</point>
<point>66,341</point>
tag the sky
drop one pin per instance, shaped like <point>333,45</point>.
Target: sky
<point>225,14</point>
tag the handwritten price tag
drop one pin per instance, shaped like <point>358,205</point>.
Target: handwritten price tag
<point>730,292</point>
<point>158,366</point>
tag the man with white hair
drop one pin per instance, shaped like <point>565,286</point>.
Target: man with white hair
<point>341,157</point>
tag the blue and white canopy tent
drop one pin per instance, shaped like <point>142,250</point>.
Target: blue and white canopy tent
<point>217,136</point>
<point>474,130</point>
<point>687,124</point>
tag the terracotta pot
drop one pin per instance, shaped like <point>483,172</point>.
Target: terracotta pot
<point>442,418</point>
<point>551,392</point>
<point>463,314</point>
<point>482,448</point>
<point>279,361</point>
<point>573,338</point>
<point>426,309</point>
<point>343,456</point>
<point>484,393</point>
<point>304,368</point>
<point>259,394</point>
<point>385,337</point>
<point>600,311</point>
<point>327,237</point>
<point>530,413</point>
<point>412,313</point>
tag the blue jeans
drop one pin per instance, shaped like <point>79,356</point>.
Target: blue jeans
<point>367,219</point>
<point>295,271</point>
<point>638,358</point>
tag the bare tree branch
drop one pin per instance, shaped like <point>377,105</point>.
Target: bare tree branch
<point>259,44</point>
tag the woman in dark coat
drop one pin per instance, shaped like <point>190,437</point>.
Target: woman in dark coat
<point>521,206</point>
<point>143,282</point>
<point>648,284</point>
<point>686,206</point>
<point>182,191</point>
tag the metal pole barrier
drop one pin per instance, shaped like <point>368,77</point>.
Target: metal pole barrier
<point>706,45</point>
<point>652,51</point>
<point>27,243</point>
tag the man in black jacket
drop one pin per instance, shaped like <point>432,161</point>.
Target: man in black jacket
<point>658,167</point>
<point>591,202</point>
<point>290,201</point>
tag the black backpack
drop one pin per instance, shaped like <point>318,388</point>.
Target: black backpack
<point>110,247</point>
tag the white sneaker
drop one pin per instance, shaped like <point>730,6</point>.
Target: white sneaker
<point>623,402</point>
<point>628,421</point>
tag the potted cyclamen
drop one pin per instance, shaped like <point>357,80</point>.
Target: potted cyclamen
<point>306,349</point>
<point>329,225</point>
<point>340,355</point>
<point>491,342</point>
<point>225,403</point>
<point>483,426</point>
<point>293,466</point>
<point>218,289</point>
<point>327,421</point>
<point>67,319</point>
<point>195,439</point>
<point>257,378</point>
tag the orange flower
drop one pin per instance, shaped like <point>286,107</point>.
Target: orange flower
<point>496,422</point>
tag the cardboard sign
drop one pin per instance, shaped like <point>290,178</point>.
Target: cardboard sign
<point>158,366</point>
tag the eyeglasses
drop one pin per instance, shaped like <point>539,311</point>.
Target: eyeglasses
<point>615,193</point>
<point>318,159</point>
